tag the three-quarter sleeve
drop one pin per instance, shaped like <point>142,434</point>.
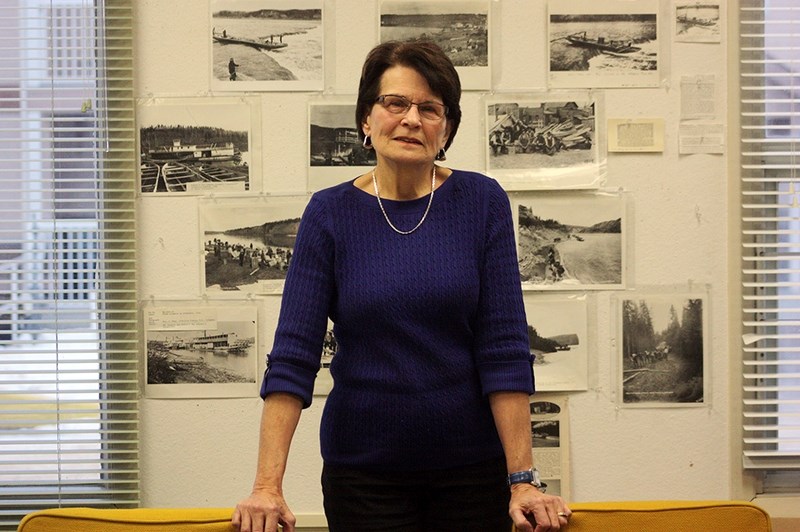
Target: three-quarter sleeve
<point>308,291</point>
<point>501,346</point>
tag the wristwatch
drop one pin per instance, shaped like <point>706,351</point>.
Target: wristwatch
<point>529,476</point>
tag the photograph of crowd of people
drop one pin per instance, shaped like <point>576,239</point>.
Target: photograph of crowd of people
<point>247,246</point>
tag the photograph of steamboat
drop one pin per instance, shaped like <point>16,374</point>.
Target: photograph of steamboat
<point>200,357</point>
<point>333,138</point>
<point>192,155</point>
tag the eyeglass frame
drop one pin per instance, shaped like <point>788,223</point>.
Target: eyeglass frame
<point>382,98</point>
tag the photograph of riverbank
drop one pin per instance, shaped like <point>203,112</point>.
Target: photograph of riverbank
<point>608,43</point>
<point>557,334</point>
<point>201,352</point>
<point>198,145</point>
<point>248,244</point>
<point>459,27</point>
<point>266,45</point>
<point>662,350</point>
<point>571,241</point>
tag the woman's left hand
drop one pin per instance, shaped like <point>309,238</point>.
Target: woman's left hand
<point>534,511</point>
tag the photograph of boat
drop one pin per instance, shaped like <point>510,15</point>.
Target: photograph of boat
<point>697,21</point>
<point>171,167</point>
<point>266,45</point>
<point>150,173</point>
<point>613,43</point>
<point>267,42</point>
<point>191,145</point>
<point>600,43</point>
<point>212,152</point>
<point>175,176</point>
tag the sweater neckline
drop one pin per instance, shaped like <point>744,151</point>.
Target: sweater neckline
<point>405,206</point>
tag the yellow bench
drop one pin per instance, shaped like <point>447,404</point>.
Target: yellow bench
<point>632,516</point>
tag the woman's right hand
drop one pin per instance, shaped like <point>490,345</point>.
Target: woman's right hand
<point>263,511</point>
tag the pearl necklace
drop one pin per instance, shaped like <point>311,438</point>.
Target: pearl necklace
<point>386,216</point>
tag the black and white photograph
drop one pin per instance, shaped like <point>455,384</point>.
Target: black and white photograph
<point>335,151</point>
<point>247,244</point>
<point>697,21</point>
<point>550,441</point>
<point>545,434</point>
<point>459,27</point>
<point>571,241</point>
<point>324,382</point>
<point>198,145</point>
<point>557,336</point>
<point>607,43</point>
<point>266,45</point>
<point>543,141</point>
<point>662,350</point>
<point>200,351</point>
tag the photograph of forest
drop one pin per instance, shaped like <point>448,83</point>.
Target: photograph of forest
<point>662,351</point>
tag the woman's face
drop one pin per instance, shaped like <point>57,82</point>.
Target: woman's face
<point>405,138</point>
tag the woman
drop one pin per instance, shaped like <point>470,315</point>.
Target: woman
<point>427,426</point>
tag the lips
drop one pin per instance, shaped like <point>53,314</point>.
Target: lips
<point>408,140</point>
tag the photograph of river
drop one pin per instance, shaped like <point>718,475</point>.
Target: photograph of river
<point>571,241</point>
<point>557,337</point>
<point>248,244</point>
<point>606,44</point>
<point>201,351</point>
<point>196,145</point>
<point>267,44</point>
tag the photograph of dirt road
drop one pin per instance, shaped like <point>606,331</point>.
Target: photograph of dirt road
<point>571,241</point>
<point>662,350</point>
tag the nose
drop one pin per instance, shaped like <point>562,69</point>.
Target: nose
<point>412,117</point>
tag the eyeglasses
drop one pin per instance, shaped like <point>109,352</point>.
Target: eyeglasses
<point>400,105</point>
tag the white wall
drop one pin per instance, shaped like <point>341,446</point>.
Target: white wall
<point>202,452</point>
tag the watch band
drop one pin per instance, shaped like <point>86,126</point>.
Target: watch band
<point>529,476</point>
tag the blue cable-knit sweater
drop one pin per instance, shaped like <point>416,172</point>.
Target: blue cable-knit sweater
<point>426,324</point>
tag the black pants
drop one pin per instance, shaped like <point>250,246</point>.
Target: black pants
<point>465,499</point>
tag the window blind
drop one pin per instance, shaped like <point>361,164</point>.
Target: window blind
<point>769,49</point>
<point>68,312</point>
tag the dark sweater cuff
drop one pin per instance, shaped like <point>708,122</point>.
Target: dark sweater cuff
<point>511,376</point>
<point>289,379</point>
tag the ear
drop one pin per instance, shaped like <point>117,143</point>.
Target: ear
<point>365,126</point>
<point>446,135</point>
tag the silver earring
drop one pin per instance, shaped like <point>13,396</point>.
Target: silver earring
<point>367,142</point>
<point>442,155</point>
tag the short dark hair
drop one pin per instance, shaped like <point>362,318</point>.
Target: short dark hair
<point>425,57</point>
